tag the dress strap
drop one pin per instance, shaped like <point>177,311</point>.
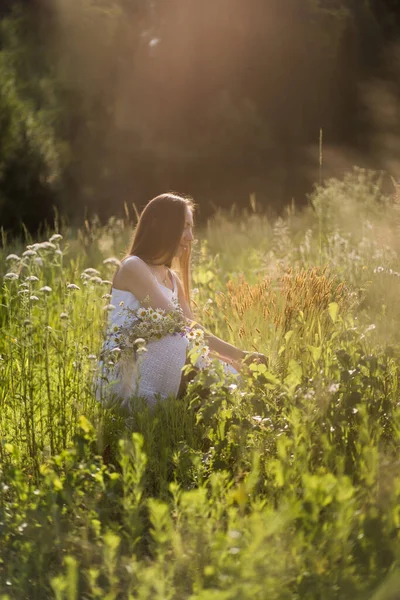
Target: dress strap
<point>172,274</point>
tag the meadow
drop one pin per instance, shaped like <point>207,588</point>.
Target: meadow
<point>284,484</point>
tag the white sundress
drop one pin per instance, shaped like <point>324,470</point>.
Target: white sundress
<point>157,373</point>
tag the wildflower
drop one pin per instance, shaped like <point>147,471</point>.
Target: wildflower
<point>106,282</point>
<point>72,286</point>
<point>47,246</point>
<point>91,271</point>
<point>23,292</point>
<point>56,237</point>
<point>63,315</point>
<point>234,534</point>
<point>29,253</point>
<point>142,313</point>
<point>46,288</point>
<point>11,276</point>
<point>58,252</point>
<point>106,296</point>
<point>333,388</point>
<point>32,278</point>
<point>39,261</point>
<point>109,307</point>
<point>92,357</point>
<point>96,279</point>
<point>140,342</point>
<point>121,303</point>
<point>33,298</point>
<point>112,261</point>
<point>13,257</point>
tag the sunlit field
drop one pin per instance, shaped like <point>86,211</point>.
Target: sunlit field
<point>284,483</point>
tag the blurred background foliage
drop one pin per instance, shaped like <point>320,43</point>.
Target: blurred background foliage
<point>106,103</point>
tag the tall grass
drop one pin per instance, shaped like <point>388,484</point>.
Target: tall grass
<point>284,483</point>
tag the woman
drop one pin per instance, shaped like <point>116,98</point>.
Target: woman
<point>163,235</point>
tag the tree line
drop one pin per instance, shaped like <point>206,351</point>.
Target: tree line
<point>109,102</point>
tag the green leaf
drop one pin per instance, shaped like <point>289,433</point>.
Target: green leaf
<point>315,352</point>
<point>295,373</point>
<point>333,309</point>
<point>84,424</point>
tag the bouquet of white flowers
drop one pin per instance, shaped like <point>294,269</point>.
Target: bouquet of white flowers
<point>143,325</point>
<point>146,324</point>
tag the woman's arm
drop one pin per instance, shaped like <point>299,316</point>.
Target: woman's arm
<point>135,276</point>
<point>223,349</point>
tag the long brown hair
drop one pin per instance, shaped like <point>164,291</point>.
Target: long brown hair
<point>158,234</point>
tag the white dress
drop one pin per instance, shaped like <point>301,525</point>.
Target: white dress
<point>156,374</point>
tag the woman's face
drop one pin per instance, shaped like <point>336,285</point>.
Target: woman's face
<point>187,235</point>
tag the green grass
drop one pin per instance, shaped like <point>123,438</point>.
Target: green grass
<point>285,484</point>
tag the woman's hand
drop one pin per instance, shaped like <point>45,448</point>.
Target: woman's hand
<point>254,357</point>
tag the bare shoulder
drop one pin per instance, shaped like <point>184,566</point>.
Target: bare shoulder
<point>134,265</point>
<point>132,269</point>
